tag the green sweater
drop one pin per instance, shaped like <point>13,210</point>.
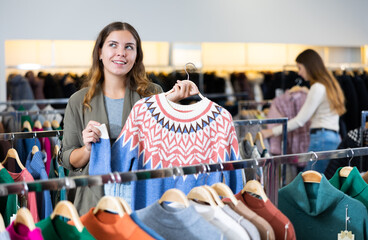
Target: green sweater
<point>353,185</point>
<point>57,229</point>
<point>317,210</point>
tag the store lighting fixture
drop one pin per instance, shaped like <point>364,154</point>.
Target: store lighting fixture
<point>29,66</point>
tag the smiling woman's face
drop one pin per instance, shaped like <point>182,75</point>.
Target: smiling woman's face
<point>118,53</point>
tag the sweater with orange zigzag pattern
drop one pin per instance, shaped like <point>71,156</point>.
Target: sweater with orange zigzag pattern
<point>162,134</point>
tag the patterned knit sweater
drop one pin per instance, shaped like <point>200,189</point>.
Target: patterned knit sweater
<point>161,134</point>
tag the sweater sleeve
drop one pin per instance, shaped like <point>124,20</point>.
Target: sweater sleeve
<point>314,99</point>
<point>124,152</point>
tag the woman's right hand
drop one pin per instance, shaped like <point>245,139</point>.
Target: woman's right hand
<point>91,134</point>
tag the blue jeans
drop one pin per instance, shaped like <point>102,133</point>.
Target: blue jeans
<point>322,140</point>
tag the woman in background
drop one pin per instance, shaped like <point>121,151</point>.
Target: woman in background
<point>324,105</point>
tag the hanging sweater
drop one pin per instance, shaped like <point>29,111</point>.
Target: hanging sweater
<point>318,210</point>
<point>22,232</point>
<point>25,176</point>
<point>36,167</point>
<point>161,134</point>
<point>177,223</point>
<point>106,225</point>
<point>353,185</point>
<point>57,229</point>
<point>281,225</point>
<point>8,205</point>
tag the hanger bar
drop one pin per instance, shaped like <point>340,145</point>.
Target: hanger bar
<point>81,181</point>
<point>37,134</point>
<point>27,113</point>
<point>253,102</point>
<point>38,101</point>
<point>260,121</point>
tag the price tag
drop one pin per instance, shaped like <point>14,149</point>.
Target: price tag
<point>345,235</point>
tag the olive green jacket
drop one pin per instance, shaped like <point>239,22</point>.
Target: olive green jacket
<point>75,121</point>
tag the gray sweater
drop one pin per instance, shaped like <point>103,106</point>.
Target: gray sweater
<point>177,223</point>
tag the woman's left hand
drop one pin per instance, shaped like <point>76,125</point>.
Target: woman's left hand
<point>182,89</point>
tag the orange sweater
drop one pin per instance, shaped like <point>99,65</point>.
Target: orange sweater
<point>105,225</point>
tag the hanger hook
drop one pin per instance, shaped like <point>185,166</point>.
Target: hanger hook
<point>315,159</point>
<point>67,183</point>
<point>185,68</point>
<point>177,173</point>
<point>117,177</point>
<point>112,178</point>
<point>34,137</point>
<point>12,138</point>
<point>25,192</point>
<point>208,172</point>
<point>204,169</point>
<point>222,171</point>
<point>352,155</point>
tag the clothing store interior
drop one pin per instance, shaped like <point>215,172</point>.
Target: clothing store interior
<point>244,119</point>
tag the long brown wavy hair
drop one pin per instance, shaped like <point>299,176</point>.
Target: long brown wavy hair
<point>317,72</point>
<point>136,78</point>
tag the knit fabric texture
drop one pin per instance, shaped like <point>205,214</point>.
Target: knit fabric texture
<point>177,223</point>
<point>161,134</point>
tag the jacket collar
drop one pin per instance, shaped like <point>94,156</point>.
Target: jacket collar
<point>312,198</point>
<point>353,185</point>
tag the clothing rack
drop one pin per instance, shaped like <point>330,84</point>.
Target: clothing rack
<point>17,115</point>
<point>274,173</point>
<point>37,101</point>
<point>283,121</point>
<point>81,181</point>
<point>36,134</point>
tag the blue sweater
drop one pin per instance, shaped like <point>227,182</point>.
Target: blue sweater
<point>36,168</point>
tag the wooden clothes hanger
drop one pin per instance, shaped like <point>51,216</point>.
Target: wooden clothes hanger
<point>12,153</point>
<point>24,217</point>
<point>174,195</point>
<point>312,176</point>
<point>224,191</point>
<point>27,125</point>
<point>253,186</point>
<point>203,195</point>
<point>127,209</point>
<point>2,225</point>
<point>215,196</point>
<point>37,124</point>
<point>55,152</point>
<point>35,149</point>
<point>249,138</point>
<point>46,124</point>
<point>259,138</point>
<point>55,124</point>
<point>66,209</point>
<point>109,203</point>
